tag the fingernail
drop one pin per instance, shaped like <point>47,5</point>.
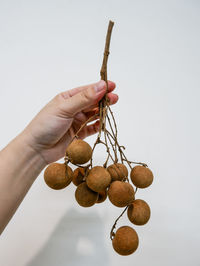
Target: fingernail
<point>100,86</point>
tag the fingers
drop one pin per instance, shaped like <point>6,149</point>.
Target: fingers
<point>81,117</point>
<point>111,86</point>
<point>70,93</point>
<point>112,97</point>
<point>89,130</point>
<point>87,97</point>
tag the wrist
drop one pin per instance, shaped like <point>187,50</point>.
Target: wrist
<point>23,142</point>
<point>23,159</point>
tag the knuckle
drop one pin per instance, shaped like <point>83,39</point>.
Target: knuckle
<point>57,97</point>
<point>64,94</point>
<point>88,95</point>
<point>60,97</point>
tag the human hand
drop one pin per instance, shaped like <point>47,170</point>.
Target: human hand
<point>51,131</point>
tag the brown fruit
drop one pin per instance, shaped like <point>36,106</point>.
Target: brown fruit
<point>78,175</point>
<point>98,179</point>
<point>118,171</point>
<point>79,152</point>
<point>125,241</point>
<point>58,176</point>
<point>120,193</point>
<point>139,212</point>
<point>141,176</point>
<point>102,196</point>
<point>85,196</point>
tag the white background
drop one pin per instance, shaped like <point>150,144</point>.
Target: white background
<point>48,46</point>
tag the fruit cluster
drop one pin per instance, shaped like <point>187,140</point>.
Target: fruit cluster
<point>96,183</point>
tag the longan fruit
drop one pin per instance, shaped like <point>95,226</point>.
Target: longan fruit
<point>141,176</point>
<point>98,179</point>
<point>102,196</point>
<point>79,152</point>
<point>139,212</point>
<point>125,241</point>
<point>121,193</point>
<point>78,175</point>
<point>85,196</point>
<point>118,171</point>
<point>58,176</point>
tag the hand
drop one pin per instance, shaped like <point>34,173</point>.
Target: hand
<point>51,131</point>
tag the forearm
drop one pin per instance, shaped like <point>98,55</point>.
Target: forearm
<point>19,167</point>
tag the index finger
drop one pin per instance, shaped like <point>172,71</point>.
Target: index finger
<point>72,92</point>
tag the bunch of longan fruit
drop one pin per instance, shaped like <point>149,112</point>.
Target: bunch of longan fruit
<point>94,184</point>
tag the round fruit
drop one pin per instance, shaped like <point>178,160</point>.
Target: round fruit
<point>120,193</point>
<point>58,176</point>
<point>78,175</point>
<point>85,196</point>
<point>102,196</point>
<point>139,212</point>
<point>141,176</point>
<point>79,152</point>
<point>125,241</point>
<point>98,178</point>
<point>118,171</point>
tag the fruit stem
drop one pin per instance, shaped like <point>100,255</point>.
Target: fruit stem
<point>112,234</point>
<point>103,73</point>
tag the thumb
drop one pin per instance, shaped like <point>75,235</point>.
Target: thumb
<point>85,98</point>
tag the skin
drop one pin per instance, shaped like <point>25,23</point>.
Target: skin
<point>45,140</point>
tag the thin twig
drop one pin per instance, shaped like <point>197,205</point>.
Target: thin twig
<point>115,124</point>
<point>143,164</point>
<point>96,142</point>
<point>103,73</point>
<point>112,234</point>
<point>113,146</point>
<point>108,150</point>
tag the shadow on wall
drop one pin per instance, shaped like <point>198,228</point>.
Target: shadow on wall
<point>78,240</point>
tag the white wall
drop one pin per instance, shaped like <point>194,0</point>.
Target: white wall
<point>46,46</point>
